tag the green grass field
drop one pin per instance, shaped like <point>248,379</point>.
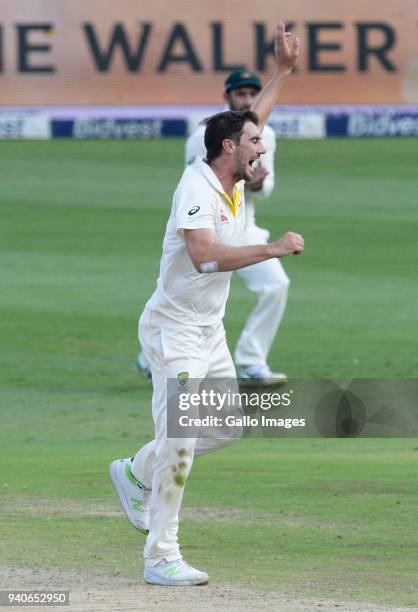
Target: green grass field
<point>81,232</point>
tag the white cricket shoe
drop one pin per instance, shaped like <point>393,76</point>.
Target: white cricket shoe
<point>143,366</point>
<point>174,573</point>
<point>134,497</point>
<point>261,376</point>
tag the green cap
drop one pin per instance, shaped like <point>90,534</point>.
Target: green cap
<point>242,78</point>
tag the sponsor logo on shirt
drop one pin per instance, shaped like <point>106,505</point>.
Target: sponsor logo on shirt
<point>193,211</point>
<point>224,218</point>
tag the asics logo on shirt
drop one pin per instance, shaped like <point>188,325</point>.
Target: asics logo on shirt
<point>193,210</point>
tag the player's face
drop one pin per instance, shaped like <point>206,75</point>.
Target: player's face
<point>241,98</point>
<point>248,151</point>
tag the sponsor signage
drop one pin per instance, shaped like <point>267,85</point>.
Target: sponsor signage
<point>179,52</point>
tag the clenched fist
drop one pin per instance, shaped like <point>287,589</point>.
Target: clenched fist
<point>287,244</point>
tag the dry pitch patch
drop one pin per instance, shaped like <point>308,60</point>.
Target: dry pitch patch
<point>93,591</point>
<point>70,508</point>
<point>97,592</point>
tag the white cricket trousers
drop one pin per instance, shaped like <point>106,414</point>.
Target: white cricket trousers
<point>270,283</point>
<point>172,348</point>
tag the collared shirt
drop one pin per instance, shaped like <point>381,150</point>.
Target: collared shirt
<point>199,202</point>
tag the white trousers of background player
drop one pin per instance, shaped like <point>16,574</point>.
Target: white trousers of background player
<point>270,283</point>
<point>172,348</point>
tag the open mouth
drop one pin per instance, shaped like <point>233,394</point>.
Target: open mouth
<point>252,162</point>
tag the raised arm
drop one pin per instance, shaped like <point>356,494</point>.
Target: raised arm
<point>286,53</point>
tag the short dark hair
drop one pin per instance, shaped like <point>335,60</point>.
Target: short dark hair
<point>228,124</point>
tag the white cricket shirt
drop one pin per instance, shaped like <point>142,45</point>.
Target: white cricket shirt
<point>199,202</point>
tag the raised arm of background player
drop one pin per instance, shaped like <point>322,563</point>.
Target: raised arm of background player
<point>286,56</point>
<point>201,243</point>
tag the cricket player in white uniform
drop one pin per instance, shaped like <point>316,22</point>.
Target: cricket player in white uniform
<point>267,279</point>
<point>181,330</point>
